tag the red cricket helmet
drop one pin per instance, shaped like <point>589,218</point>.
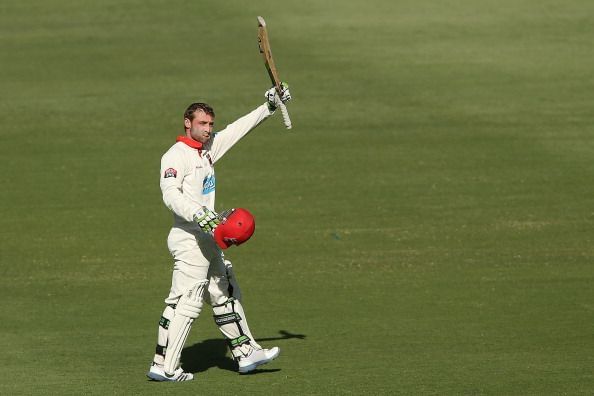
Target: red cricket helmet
<point>235,229</point>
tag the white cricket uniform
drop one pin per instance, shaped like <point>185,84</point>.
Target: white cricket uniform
<point>188,182</point>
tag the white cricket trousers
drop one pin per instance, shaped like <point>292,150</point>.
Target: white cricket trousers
<point>196,257</point>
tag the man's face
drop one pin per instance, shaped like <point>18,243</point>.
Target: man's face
<point>200,128</point>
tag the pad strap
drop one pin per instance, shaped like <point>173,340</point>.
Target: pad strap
<point>160,350</point>
<point>227,318</point>
<point>164,322</point>
<point>239,341</point>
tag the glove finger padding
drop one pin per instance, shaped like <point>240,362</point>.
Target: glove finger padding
<point>207,220</point>
<point>271,97</point>
<point>285,94</point>
<point>274,99</point>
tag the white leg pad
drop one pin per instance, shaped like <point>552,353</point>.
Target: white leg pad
<point>187,310</point>
<point>244,324</point>
<point>168,314</point>
<point>232,322</point>
<point>225,297</point>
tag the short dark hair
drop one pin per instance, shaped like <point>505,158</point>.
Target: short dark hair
<point>194,107</point>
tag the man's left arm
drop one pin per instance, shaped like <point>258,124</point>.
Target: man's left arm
<point>222,141</point>
<point>225,139</point>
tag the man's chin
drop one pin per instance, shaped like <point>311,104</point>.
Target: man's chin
<point>202,139</point>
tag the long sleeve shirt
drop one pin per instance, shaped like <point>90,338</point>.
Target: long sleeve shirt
<point>188,179</point>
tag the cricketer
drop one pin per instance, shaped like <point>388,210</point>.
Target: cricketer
<point>200,271</point>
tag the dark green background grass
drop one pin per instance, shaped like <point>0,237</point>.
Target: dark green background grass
<point>425,229</point>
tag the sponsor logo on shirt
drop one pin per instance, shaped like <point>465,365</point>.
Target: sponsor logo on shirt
<point>208,184</point>
<point>169,172</point>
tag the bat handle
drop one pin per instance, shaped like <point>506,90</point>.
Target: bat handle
<point>285,114</point>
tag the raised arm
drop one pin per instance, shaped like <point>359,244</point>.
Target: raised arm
<point>222,141</point>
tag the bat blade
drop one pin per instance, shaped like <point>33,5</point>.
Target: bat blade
<point>264,47</point>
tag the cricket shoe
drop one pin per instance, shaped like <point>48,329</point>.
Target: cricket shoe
<point>256,358</point>
<point>157,373</point>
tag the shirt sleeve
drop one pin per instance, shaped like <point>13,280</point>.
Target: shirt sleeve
<point>225,139</point>
<point>173,169</point>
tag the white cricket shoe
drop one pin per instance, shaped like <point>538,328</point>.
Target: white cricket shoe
<point>157,373</point>
<point>257,358</point>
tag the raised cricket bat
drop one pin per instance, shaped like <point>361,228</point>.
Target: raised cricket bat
<point>264,46</point>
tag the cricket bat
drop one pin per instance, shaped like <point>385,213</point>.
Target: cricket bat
<point>264,46</point>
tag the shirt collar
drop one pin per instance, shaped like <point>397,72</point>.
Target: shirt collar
<point>190,142</point>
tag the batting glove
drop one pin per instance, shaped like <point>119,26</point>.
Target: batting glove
<point>273,98</point>
<point>207,220</point>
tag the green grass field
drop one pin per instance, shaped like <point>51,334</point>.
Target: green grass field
<point>426,228</point>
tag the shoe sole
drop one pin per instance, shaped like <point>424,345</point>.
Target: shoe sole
<point>158,377</point>
<point>155,377</point>
<point>253,366</point>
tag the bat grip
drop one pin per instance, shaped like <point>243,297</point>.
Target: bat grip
<point>285,115</point>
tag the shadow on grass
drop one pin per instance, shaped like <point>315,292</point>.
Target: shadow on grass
<point>213,353</point>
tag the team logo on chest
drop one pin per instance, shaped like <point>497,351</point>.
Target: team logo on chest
<point>208,184</point>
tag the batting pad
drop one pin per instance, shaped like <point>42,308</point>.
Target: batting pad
<point>188,309</point>
<point>231,320</point>
<point>164,322</point>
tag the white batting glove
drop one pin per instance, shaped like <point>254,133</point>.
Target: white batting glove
<point>207,220</point>
<point>285,94</point>
<point>273,97</point>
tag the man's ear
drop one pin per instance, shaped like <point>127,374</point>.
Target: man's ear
<point>187,123</point>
